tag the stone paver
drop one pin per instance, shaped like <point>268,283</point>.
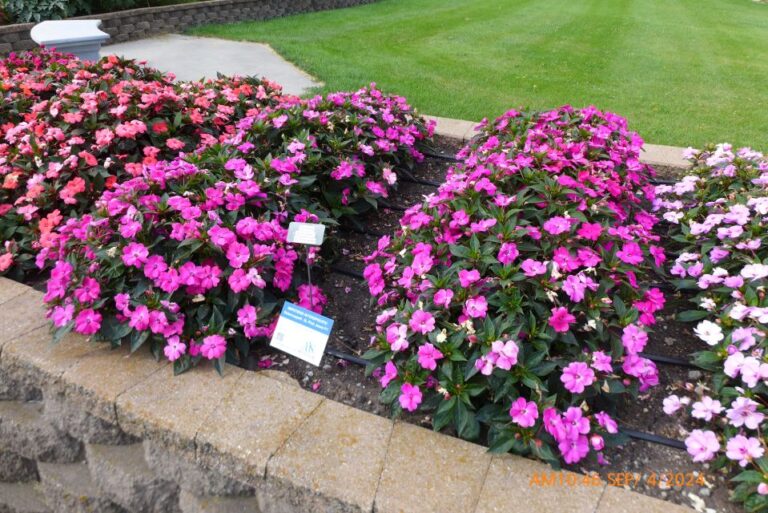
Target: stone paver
<point>191,58</point>
<point>10,289</point>
<point>122,474</point>
<point>191,503</point>
<point>44,360</point>
<point>174,408</point>
<point>70,488</point>
<point>99,377</point>
<point>252,424</point>
<point>337,453</point>
<point>508,489</point>
<point>616,499</point>
<point>24,430</point>
<point>22,315</point>
<point>22,498</point>
<point>430,473</point>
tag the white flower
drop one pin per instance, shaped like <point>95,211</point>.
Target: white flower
<point>707,304</point>
<point>754,271</point>
<point>709,332</point>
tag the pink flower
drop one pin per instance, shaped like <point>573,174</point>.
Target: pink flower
<point>214,346</point>
<point>61,315</point>
<point>743,449</point>
<point>507,253</point>
<point>706,408</point>
<point>135,254</point>
<point>574,450</point>
<point>422,322</point>
<point>428,356</point>
<point>590,231</point>
<point>174,349</point>
<point>630,253</point>
<point>533,268</point>
<point>139,319</point>
<point>577,376</point>
<point>476,307</point>
<point>743,412</point>
<point>672,404</point>
<point>634,339</point>
<point>524,413</point>
<point>606,422</point>
<point>557,225</point>
<point>702,445</point>
<point>396,336</point>
<point>561,319</point>
<point>443,297</point>
<point>505,353</point>
<point>601,362</point>
<point>410,397</point>
<point>88,322</point>
<point>468,277</point>
<point>238,254</point>
<point>390,373</point>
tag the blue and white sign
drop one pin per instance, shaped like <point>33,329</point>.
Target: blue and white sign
<point>302,333</point>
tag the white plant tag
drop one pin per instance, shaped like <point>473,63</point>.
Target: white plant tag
<point>302,333</point>
<point>306,233</point>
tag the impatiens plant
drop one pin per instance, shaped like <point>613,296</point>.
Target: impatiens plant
<point>187,261</point>
<point>515,296</point>
<point>718,214</point>
<point>345,149</point>
<point>71,130</point>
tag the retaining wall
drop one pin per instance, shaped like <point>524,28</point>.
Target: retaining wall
<point>140,23</point>
<point>87,429</point>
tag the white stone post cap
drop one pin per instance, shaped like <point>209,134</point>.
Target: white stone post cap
<point>56,32</point>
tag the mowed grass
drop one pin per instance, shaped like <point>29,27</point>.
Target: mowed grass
<point>684,72</point>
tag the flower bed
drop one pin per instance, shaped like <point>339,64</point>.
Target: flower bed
<point>717,214</point>
<point>515,296</point>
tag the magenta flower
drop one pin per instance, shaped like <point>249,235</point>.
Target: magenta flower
<point>61,315</point>
<point>524,413</point>
<point>606,422</point>
<point>561,319</point>
<point>428,356</point>
<point>577,376</point>
<point>238,254</point>
<point>634,339</point>
<point>213,347</point>
<point>574,450</point>
<point>601,362</point>
<point>630,253</point>
<point>390,373</point>
<point>476,307</point>
<point>174,349</point>
<point>443,297</point>
<point>702,445</point>
<point>135,254</point>
<point>533,268</point>
<point>468,277</point>
<point>139,318</point>
<point>396,336</point>
<point>507,253</point>
<point>410,397</point>
<point>590,231</point>
<point>557,225</point>
<point>88,322</point>
<point>422,322</point>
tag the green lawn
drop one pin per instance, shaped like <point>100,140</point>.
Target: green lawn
<point>684,72</point>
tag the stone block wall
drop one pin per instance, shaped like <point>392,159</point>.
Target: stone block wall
<point>86,429</point>
<point>140,23</point>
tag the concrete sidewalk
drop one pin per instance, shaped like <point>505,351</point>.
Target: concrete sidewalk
<point>192,58</point>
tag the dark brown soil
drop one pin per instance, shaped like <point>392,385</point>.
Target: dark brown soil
<point>350,305</point>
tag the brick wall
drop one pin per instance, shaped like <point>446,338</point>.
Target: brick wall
<point>141,23</point>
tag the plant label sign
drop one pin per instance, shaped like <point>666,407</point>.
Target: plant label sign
<point>302,333</point>
<point>306,233</point>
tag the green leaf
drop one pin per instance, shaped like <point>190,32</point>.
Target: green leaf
<point>691,315</point>
<point>137,339</point>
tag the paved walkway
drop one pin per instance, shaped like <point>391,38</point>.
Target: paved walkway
<point>192,58</point>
